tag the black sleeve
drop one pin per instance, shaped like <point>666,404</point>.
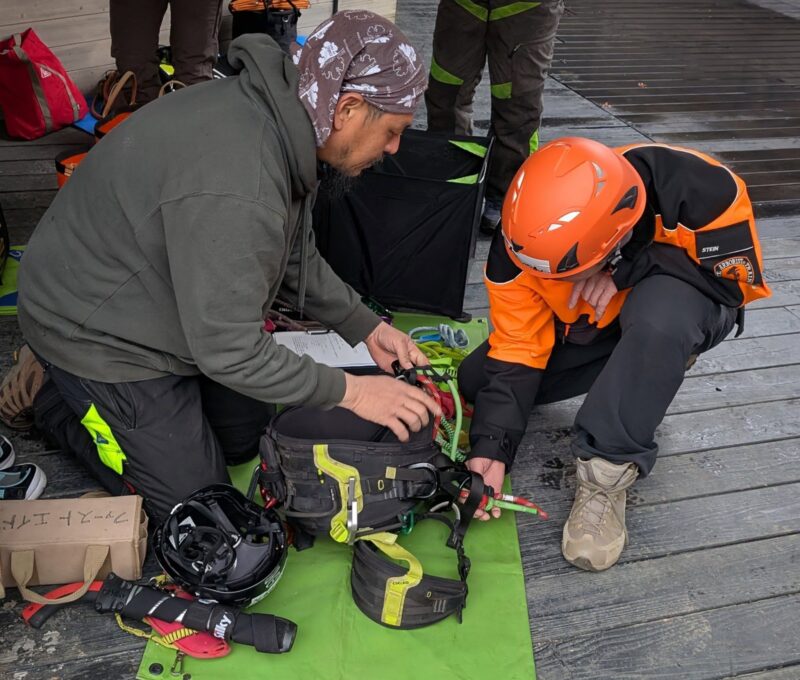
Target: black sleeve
<point>662,258</point>
<point>502,408</point>
<point>685,191</point>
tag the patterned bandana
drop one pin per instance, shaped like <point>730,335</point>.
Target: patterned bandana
<point>357,51</point>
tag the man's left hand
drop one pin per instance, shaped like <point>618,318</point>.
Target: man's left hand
<point>387,344</point>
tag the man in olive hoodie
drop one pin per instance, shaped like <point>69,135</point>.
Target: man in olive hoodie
<point>144,288</point>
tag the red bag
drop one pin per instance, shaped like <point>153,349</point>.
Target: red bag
<point>36,94</point>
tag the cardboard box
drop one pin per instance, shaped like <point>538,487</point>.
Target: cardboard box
<point>58,532</point>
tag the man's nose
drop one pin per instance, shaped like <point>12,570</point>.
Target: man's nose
<point>392,147</point>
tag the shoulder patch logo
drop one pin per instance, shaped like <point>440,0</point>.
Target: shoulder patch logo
<point>737,268</point>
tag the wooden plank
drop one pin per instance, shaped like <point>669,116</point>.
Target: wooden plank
<point>670,528</point>
<point>737,388</point>
<point>21,223</point>
<point>748,353</point>
<point>26,199</point>
<point>30,11</point>
<point>67,135</point>
<point>782,269</point>
<point>27,167</point>
<point>42,152</point>
<point>76,637</point>
<point>569,606</point>
<point>738,639</point>
<point>55,33</point>
<point>27,183</point>
<point>696,431</point>
<point>546,471</point>
<point>791,672</point>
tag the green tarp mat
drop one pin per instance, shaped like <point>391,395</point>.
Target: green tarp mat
<point>335,641</point>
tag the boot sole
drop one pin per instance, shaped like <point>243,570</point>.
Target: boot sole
<point>37,486</point>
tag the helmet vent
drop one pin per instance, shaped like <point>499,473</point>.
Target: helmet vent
<point>628,200</point>
<point>600,186</point>
<point>597,170</point>
<point>569,261</point>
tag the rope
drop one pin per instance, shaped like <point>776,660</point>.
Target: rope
<point>167,641</point>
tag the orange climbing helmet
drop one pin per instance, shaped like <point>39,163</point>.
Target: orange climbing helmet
<point>569,206</point>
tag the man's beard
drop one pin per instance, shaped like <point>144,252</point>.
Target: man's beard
<point>336,184</point>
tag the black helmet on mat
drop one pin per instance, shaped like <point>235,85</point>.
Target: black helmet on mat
<point>219,545</point>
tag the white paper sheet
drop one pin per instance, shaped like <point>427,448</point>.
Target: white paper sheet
<point>325,348</point>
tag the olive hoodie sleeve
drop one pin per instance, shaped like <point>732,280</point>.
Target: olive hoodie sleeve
<point>225,255</point>
<point>327,298</point>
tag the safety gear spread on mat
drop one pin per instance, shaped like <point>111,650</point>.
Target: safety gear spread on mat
<point>336,473</point>
<point>569,206</point>
<point>405,598</point>
<point>133,600</point>
<point>219,545</point>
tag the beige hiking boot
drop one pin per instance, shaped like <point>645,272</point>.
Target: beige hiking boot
<point>19,387</point>
<point>595,532</point>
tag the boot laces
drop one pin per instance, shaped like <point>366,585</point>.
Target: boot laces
<point>593,504</point>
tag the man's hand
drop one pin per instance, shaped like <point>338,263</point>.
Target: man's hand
<point>386,344</point>
<point>380,399</point>
<point>493,472</point>
<point>597,290</point>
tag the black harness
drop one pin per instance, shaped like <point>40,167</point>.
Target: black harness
<point>333,472</point>
<point>405,598</point>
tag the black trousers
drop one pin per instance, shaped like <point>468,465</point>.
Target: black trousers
<point>160,438</point>
<point>631,374</point>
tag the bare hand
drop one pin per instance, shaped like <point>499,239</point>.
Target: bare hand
<point>597,290</point>
<point>380,399</point>
<point>493,473</point>
<point>387,344</point>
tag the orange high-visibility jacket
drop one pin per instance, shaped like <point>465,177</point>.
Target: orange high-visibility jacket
<point>695,204</point>
<point>697,226</point>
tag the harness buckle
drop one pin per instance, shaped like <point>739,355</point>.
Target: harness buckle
<point>435,483</point>
<point>352,511</point>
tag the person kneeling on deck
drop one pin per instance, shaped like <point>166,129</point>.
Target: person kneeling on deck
<point>145,286</point>
<point>613,270</point>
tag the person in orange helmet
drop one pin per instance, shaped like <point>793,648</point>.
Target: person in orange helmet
<point>613,270</point>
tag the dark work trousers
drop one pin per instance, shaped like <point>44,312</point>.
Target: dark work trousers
<point>517,40</point>
<point>193,37</point>
<point>632,374</point>
<point>162,438</point>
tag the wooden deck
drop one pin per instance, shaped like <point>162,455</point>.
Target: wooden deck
<point>709,586</point>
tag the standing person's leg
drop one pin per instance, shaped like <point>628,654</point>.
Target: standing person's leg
<point>152,433</point>
<point>194,38</point>
<point>134,27</point>
<point>664,321</point>
<point>520,48</point>
<point>459,54</point>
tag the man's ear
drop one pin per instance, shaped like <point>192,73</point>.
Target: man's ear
<point>349,106</point>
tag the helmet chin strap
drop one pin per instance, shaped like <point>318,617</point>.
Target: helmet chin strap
<point>616,255</point>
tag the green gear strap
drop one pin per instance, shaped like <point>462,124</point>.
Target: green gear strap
<point>394,596</point>
<point>501,91</point>
<point>534,141</point>
<point>438,73</point>
<point>469,179</point>
<point>342,473</point>
<point>481,13</point>
<point>107,448</point>
<point>474,148</point>
<point>510,10</point>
